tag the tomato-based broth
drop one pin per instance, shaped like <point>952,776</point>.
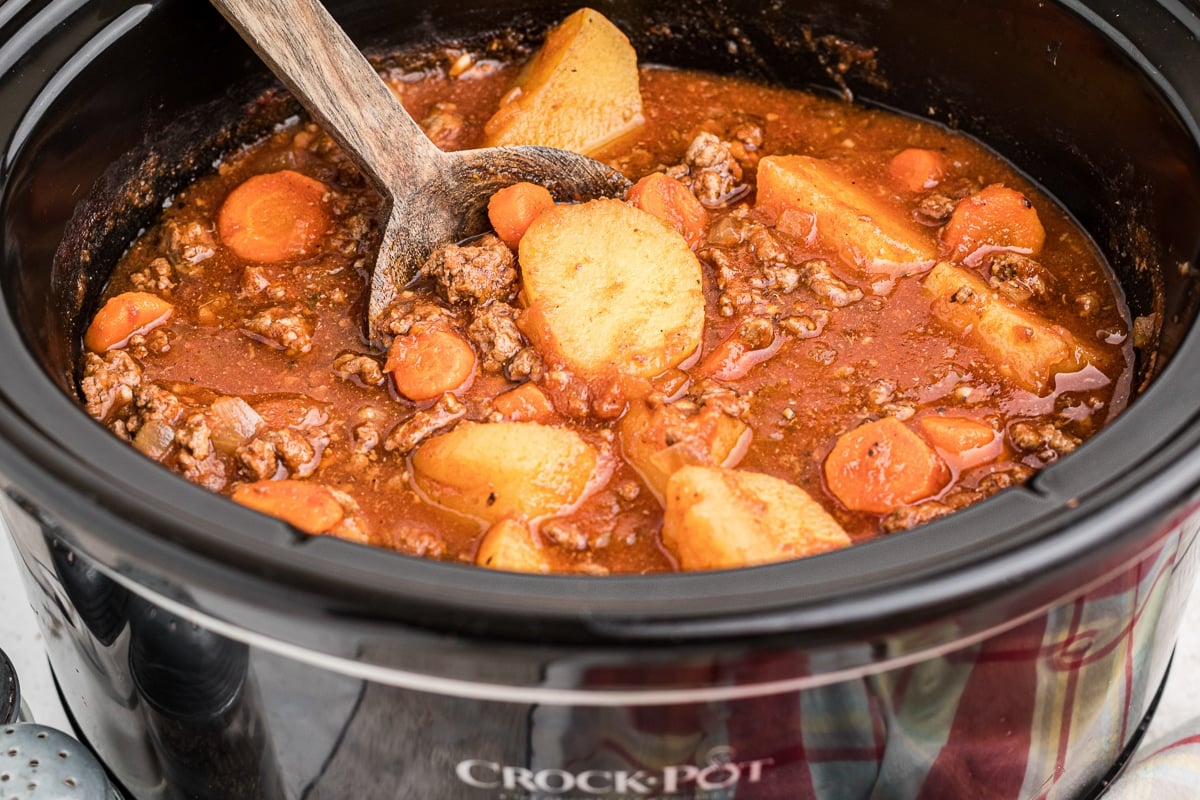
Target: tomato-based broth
<point>810,323</point>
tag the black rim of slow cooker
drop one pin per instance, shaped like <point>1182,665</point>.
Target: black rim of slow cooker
<point>115,504</point>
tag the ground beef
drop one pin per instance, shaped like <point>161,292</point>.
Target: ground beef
<point>157,277</point>
<point>408,434</point>
<point>718,396</point>
<point>766,246</point>
<point>711,171</point>
<point>908,517</point>
<point>569,394</point>
<point>156,342</point>
<point>477,273</point>
<point>996,481</point>
<point>198,460</point>
<point>152,402</point>
<point>565,534</point>
<point>187,244</point>
<point>1018,277</point>
<point>443,125</point>
<point>756,333</point>
<point>365,434</point>
<point>494,332</point>
<point>360,369</point>
<point>746,139</point>
<point>783,278</point>
<point>935,209</point>
<point>285,329</point>
<point>806,326</point>
<point>257,281</point>
<point>277,454</point>
<point>108,383</point>
<point>408,311</point>
<point>1044,440</point>
<point>418,542</point>
<point>818,276</point>
<point>525,365</point>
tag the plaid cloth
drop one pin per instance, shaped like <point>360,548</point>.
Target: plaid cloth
<point>1039,712</point>
<point>1165,770</point>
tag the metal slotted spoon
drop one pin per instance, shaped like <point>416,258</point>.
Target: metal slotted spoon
<point>433,197</point>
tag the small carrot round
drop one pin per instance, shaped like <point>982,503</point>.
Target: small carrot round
<point>514,208</point>
<point>917,169</point>
<point>430,363</point>
<point>274,217</point>
<point>311,507</point>
<point>882,465</point>
<point>996,217</point>
<point>124,316</point>
<point>967,442</point>
<point>673,203</point>
<point>526,403</point>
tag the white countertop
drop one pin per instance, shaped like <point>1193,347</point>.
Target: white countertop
<point>21,640</point>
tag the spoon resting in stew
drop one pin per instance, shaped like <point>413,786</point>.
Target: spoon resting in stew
<point>432,197</point>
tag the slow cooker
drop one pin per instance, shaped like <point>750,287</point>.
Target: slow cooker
<point>1012,650</point>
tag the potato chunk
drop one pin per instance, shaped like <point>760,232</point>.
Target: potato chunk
<point>1024,346</point>
<point>868,231</point>
<point>509,545</point>
<point>610,289</point>
<point>492,471</point>
<point>723,518</point>
<point>660,440</point>
<point>579,92</point>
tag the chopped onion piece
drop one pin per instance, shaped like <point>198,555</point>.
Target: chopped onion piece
<point>234,422</point>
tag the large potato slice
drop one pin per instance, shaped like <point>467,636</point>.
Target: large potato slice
<point>493,471</point>
<point>866,230</point>
<point>609,288</point>
<point>579,92</point>
<point>509,545</point>
<point>1024,346</point>
<point>723,518</point>
<point>660,440</point>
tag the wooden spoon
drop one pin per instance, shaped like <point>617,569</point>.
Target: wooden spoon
<point>433,197</point>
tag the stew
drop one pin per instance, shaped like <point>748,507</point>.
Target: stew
<point>810,323</point>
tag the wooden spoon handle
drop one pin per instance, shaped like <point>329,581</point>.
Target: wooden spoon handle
<point>310,53</point>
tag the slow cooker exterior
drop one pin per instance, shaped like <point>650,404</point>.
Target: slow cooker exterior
<point>1010,651</point>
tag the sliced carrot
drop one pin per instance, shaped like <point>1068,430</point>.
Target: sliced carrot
<point>733,357</point>
<point>968,442</point>
<point>311,507</point>
<point>430,363</point>
<point>274,217</point>
<point>514,208</point>
<point>526,403</point>
<point>124,316</point>
<point>996,217</point>
<point>673,203</point>
<point>917,169</point>
<point>882,465</point>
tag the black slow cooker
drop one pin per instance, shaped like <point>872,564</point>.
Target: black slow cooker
<point>204,651</point>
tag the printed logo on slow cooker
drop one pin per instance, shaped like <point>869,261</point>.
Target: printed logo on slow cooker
<point>720,772</point>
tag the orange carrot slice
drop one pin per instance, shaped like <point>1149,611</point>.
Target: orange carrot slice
<point>967,442</point>
<point>430,363</point>
<point>526,403</point>
<point>124,316</point>
<point>995,218</point>
<point>274,217</point>
<point>514,208</point>
<point>311,507</point>
<point>917,169</point>
<point>882,465</point>
<point>673,203</point>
